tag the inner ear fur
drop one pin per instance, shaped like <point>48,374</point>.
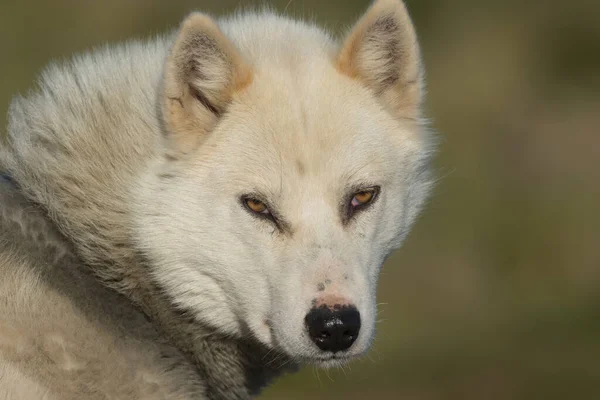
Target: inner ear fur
<point>202,73</point>
<point>382,51</point>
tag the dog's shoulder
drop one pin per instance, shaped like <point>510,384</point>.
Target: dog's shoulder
<point>62,334</point>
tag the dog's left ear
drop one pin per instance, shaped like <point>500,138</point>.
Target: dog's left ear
<point>202,73</point>
<point>382,52</point>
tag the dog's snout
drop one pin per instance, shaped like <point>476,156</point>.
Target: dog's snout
<point>333,329</point>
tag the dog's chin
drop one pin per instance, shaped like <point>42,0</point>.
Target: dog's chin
<point>328,361</point>
<point>320,360</point>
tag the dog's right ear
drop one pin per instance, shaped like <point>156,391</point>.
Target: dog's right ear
<point>202,73</point>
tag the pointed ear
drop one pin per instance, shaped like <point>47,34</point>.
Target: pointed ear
<point>382,52</point>
<point>202,73</point>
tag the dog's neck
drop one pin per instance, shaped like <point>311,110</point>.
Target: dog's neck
<point>233,368</point>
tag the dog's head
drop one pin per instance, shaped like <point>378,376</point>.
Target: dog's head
<point>292,168</point>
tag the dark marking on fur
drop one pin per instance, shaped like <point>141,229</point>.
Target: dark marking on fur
<point>177,99</point>
<point>383,36</point>
<point>323,285</point>
<point>199,45</point>
<point>169,157</point>
<point>386,25</point>
<point>197,49</point>
<point>300,166</point>
<point>202,99</point>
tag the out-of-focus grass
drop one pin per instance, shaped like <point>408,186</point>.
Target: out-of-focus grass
<point>495,294</point>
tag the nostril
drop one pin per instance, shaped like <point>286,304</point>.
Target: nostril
<point>333,329</point>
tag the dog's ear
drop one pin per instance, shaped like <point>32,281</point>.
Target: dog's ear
<point>202,73</point>
<point>382,52</point>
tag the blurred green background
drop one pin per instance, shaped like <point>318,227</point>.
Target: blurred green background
<point>496,293</point>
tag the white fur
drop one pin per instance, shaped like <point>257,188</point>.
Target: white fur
<point>235,272</point>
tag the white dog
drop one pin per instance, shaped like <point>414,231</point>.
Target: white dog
<point>241,182</point>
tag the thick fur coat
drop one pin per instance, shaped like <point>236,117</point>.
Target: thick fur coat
<point>179,206</point>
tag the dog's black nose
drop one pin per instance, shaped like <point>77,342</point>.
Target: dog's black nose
<point>333,330</point>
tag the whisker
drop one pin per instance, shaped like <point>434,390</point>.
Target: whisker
<point>329,376</point>
<point>287,6</point>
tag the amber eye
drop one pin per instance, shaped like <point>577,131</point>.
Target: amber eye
<point>256,206</point>
<point>363,197</point>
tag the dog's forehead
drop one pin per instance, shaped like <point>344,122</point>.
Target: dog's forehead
<point>309,121</point>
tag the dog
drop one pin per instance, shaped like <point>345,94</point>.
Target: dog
<point>194,215</point>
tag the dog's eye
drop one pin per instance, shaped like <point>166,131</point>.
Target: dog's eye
<point>257,206</point>
<point>363,198</point>
<point>261,209</point>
